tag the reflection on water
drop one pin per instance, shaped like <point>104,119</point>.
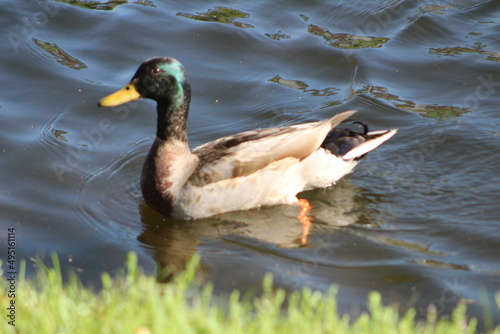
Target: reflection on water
<point>346,41</point>
<point>62,57</point>
<point>278,36</point>
<point>224,15</point>
<point>459,50</point>
<point>105,5</point>
<point>433,111</point>
<point>59,134</point>
<point>436,9</point>
<point>173,242</point>
<point>300,85</point>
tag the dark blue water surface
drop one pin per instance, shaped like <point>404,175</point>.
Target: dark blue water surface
<point>419,218</point>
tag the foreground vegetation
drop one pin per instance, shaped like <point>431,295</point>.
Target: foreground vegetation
<point>133,302</point>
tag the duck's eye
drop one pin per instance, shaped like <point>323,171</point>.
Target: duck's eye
<point>157,70</point>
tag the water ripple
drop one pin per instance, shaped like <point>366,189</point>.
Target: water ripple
<point>109,195</point>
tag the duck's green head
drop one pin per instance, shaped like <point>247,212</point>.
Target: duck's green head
<point>160,78</point>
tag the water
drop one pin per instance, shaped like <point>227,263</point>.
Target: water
<point>418,220</point>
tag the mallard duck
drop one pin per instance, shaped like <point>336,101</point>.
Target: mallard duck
<point>240,172</point>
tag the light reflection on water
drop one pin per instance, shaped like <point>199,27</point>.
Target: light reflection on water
<point>417,220</point>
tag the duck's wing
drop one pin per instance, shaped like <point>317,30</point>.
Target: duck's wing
<point>249,151</point>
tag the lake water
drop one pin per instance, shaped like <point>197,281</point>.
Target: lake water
<point>419,218</point>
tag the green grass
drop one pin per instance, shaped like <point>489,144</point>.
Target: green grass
<point>133,302</point>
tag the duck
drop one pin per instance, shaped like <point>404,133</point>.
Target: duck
<point>248,170</point>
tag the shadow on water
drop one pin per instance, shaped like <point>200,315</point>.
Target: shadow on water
<point>173,242</point>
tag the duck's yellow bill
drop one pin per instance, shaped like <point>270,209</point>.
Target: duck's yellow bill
<point>124,95</point>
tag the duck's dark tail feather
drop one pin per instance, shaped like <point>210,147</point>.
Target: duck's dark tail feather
<point>349,144</point>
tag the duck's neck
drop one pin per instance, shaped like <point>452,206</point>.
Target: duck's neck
<point>172,118</point>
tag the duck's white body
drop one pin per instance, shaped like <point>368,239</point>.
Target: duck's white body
<point>270,170</point>
<point>277,183</point>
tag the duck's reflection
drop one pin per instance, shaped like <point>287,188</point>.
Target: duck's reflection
<point>173,242</point>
